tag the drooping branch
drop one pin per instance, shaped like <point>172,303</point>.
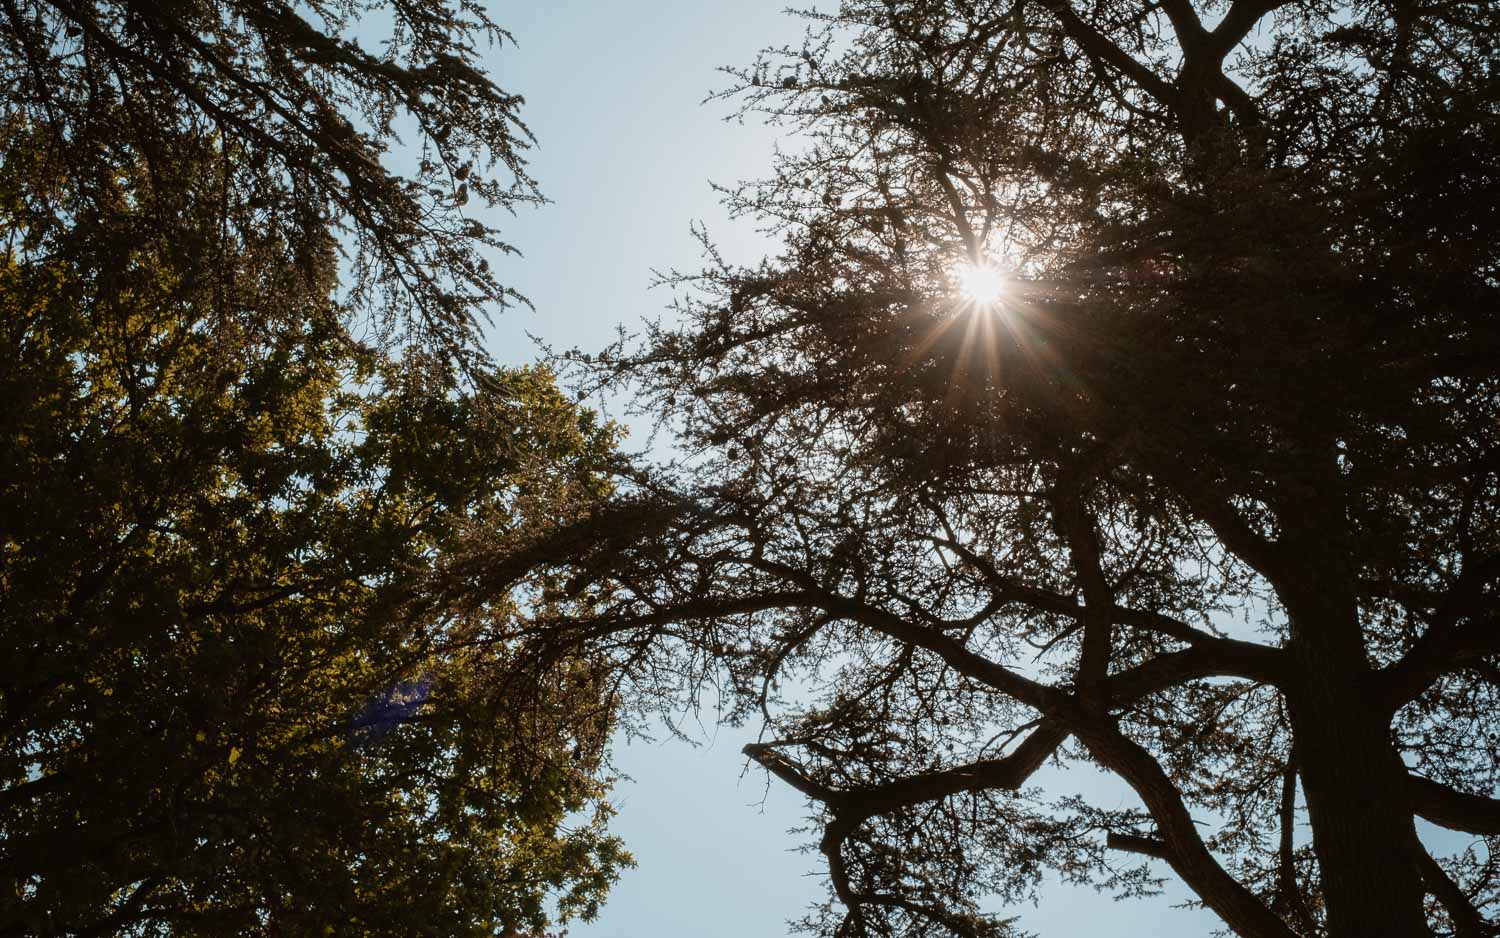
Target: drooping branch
<point>283,92</point>
<point>851,807</point>
<point>1467,922</point>
<point>1183,848</point>
<point>1288,890</point>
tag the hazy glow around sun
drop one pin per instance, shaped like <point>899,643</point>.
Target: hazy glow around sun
<point>980,284</point>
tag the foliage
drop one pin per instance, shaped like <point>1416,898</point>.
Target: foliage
<point>1207,502</point>
<point>240,690</point>
<point>307,99</point>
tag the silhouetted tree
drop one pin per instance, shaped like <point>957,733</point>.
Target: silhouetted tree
<point>247,683</point>
<point>1206,499</point>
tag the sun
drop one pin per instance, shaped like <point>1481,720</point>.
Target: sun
<point>981,285</point>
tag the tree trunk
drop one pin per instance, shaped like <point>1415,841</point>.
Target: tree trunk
<point>1352,777</point>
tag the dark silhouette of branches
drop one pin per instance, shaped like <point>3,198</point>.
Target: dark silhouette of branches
<point>1213,483</point>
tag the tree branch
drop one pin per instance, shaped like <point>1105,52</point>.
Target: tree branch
<point>851,807</point>
<point>1289,892</point>
<point>1448,644</point>
<point>1259,552</point>
<point>1222,658</point>
<point>1235,658</point>
<point>1076,527</point>
<point>1191,35</point>
<point>1134,843</point>
<point>1184,850</point>
<point>1467,922</point>
<point>1034,694</point>
<point>1453,809</point>
<point>1242,17</point>
<point>1100,49</point>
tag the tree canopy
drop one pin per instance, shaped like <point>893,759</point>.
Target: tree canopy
<point>1206,500</point>
<point>250,680</point>
<point>369,121</point>
<point>240,694</point>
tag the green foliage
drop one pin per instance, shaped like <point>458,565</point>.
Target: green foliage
<point>237,693</point>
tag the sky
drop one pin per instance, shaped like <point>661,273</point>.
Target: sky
<point>626,151</point>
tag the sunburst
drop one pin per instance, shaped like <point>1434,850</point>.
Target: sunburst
<point>981,285</point>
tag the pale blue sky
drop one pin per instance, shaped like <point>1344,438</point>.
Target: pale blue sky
<point>626,152</point>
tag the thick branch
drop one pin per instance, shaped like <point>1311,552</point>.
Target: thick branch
<point>1242,17</point>
<point>1288,891</point>
<point>1184,850</point>
<point>1259,552</point>
<point>1076,526</point>
<point>1101,50</point>
<point>768,758</point>
<point>1447,644</point>
<point>1457,648</point>
<point>1211,656</point>
<point>33,788</point>
<point>1453,809</point>
<point>1467,922</point>
<point>1204,52</point>
<point>1219,657</point>
<point>1191,36</point>
<point>1222,658</point>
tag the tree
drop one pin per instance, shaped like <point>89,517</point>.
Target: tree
<point>246,684</point>
<point>307,114</point>
<point>1206,499</point>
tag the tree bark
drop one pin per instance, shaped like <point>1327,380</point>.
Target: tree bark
<point>1352,777</point>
